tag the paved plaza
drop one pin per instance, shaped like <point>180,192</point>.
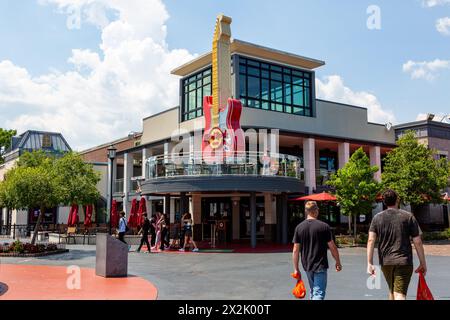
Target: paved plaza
<point>204,276</point>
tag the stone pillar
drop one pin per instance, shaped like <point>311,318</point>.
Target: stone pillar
<point>166,203</point>
<point>196,215</point>
<point>236,215</point>
<point>343,154</point>
<point>375,160</point>
<point>269,217</point>
<point>309,158</point>
<point>284,219</point>
<point>145,155</point>
<point>166,152</point>
<point>253,219</point>
<point>127,175</point>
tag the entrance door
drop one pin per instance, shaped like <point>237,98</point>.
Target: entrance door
<point>214,209</point>
<point>245,223</point>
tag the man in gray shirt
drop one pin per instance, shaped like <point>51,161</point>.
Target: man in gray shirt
<point>394,229</point>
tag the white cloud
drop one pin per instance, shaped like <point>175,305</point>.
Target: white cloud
<point>333,88</point>
<point>434,3</point>
<point>427,70</point>
<point>105,96</point>
<point>443,26</point>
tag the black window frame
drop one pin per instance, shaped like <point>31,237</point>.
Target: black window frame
<point>189,112</point>
<point>274,72</point>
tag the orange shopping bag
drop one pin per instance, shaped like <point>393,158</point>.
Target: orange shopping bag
<point>299,290</point>
<point>423,292</point>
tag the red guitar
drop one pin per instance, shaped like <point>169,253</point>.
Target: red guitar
<point>223,136</point>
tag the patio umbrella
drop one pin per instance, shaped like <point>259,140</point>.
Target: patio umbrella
<point>114,218</point>
<point>88,215</point>
<point>73,216</point>
<point>324,196</point>
<point>132,219</point>
<point>142,209</point>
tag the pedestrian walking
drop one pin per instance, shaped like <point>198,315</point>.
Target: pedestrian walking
<point>187,228</point>
<point>312,239</point>
<point>145,233</point>
<point>123,228</point>
<point>164,232</point>
<point>394,229</point>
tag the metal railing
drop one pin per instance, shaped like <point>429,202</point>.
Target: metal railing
<point>14,231</point>
<point>244,164</point>
<point>322,176</point>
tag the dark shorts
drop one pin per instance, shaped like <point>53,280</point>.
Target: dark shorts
<point>188,233</point>
<point>398,278</point>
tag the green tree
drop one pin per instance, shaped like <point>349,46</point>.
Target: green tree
<point>356,188</point>
<point>77,180</point>
<point>413,171</point>
<point>41,181</point>
<point>29,188</point>
<point>5,141</point>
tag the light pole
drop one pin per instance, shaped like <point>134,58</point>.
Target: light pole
<point>111,156</point>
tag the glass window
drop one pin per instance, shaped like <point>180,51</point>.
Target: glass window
<point>254,90</point>
<point>273,87</point>
<point>195,88</point>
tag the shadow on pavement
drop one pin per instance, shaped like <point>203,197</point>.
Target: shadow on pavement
<point>71,255</point>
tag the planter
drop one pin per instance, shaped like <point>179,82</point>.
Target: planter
<point>30,255</point>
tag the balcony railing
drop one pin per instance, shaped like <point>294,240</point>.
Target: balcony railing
<point>246,164</point>
<point>322,176</point>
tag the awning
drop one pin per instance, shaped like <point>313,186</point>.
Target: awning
<point>88,215</point>
<point>324,196</point>
<point>114,215</point>
<point>132,219</point>
<point>142,209</point>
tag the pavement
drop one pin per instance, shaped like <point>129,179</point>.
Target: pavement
<point>245,276</point>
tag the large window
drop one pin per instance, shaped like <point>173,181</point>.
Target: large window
<point>195,88</point>
<point>273,87</point>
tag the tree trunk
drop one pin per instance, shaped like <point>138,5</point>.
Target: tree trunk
<point>38,223</point>
<point>355,229</point>
<point>349,231</point>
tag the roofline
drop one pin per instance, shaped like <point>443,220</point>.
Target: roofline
<point>239,47</point>
<point>107,144</point>
<point>421,123</point>
<point>160,113</point>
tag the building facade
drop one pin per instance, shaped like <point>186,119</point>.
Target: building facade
<point>436,136</point>
<point>50,142</point>
<point>293,143</point>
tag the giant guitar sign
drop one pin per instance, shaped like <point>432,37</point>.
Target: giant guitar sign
<point>223,137</point>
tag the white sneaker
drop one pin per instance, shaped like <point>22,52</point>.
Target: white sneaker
<point>195,250</point>
<point>181,250</point>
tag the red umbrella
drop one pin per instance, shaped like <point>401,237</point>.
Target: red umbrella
<point>114,215</point>
<point>324,196</point>
<point>132,219</point>
<point>142,209</point>
<point>88,215</point>
<point>73,216</point>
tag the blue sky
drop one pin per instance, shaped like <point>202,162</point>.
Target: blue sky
<point>368,64</point>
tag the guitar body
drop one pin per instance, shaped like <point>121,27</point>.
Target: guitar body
<point>227,138</point>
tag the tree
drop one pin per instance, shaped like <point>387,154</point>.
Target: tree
<point>356,188</point>
<point>77,180</point>
<point>414,173</point>
<point>29,188</point>
<point>42,181</point>
<point>5,141</point>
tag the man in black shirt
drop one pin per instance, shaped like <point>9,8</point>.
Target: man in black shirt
<point>394,229</point>
<point>144,231</point>
<point>312,239</point>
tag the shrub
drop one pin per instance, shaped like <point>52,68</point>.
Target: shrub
<point>52,247</point>
<point>436,235</point>
<point>16,247</point>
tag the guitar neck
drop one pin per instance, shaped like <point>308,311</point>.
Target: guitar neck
<point>221,66</point>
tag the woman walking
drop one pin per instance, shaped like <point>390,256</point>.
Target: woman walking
<point>187,227</point>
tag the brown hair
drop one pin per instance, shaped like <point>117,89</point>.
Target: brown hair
<point>390,198</point>
<point>311,207</point>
